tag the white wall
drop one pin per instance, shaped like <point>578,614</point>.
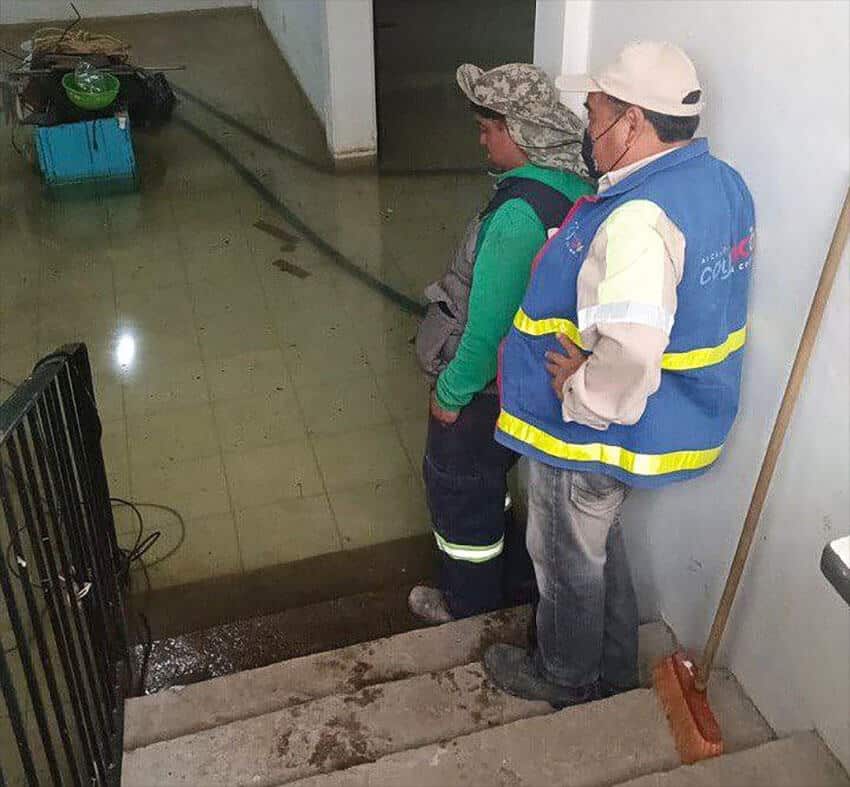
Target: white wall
<point>549,34</point>
<point>776,77</point>
<point>299,27</point>
<point>352,122</point>
<point>329,46</point>
<point>562,34</point>
<point>18,11</point>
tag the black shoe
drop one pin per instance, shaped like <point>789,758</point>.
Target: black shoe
<point>515,672</point>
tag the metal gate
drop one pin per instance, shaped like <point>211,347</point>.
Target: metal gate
<point>64,658</point>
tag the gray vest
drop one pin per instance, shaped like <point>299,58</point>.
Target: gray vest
<point>448,299</point>
<point>448,306</point>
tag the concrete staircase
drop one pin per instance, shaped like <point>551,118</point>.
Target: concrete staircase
<point>416,710</point>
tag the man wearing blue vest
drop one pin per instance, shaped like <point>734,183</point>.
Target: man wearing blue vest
<point>623,365</point>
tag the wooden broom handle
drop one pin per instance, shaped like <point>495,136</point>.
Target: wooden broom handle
<point>786,409</point>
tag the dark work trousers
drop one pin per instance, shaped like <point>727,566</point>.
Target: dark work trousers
<point>484,562</point>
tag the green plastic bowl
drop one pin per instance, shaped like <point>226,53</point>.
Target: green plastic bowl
<point>85,100</point>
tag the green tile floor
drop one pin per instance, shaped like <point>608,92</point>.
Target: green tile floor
<point>283,417</point>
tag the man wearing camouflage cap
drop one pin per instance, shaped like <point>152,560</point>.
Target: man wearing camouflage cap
<point>535,142</point>
<point>623,365</point>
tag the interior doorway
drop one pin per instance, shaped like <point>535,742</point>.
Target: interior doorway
<point>422,122</point>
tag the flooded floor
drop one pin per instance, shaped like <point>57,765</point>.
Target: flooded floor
<point>423,122</point>
<point>244,376</point>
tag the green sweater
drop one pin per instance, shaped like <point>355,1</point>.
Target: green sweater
<point>508,241</point>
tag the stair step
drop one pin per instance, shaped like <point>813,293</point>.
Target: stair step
<point>330,733</point>
<point>801,759</point>
<point>269,591</point>
<point>598,743</point>
<point>601,743</point>
<point>255,642</point>
<point>182,711</point>
<point>401,717</point>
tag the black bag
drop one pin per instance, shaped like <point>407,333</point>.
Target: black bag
<point>152,101</point>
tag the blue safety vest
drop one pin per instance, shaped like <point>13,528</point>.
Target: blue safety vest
<point>686,421</point>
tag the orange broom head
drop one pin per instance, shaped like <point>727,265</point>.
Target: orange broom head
<point>695,730</point>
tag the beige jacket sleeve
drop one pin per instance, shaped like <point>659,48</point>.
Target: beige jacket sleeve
<point>626,308</point>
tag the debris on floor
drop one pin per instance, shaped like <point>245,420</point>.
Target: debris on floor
<point>275,232</point>
<point>288,243</point>
<point>291,267</point>
<point>81,93</point>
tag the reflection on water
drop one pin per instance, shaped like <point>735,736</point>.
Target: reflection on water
<point>125,351</point>
<point>251,379</point>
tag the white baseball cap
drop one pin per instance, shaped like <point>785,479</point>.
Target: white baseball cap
<point>655,75</point>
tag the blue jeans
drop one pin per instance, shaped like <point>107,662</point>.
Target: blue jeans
<point>587,616</point>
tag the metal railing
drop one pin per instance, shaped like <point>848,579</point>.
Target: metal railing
<point>63,663</point>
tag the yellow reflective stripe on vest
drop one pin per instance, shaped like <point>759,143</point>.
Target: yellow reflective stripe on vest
<point>671,362</point>
<point>613,455</point>
<point>705,356</point>
<point>524,323</point>
<point>471,554</point>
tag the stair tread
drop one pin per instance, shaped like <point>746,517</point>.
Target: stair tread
<point>598,743</point>
<point>183,710</point>
<point>801,759</point>
<point>594,744</point>
<point>255,642</point>
<point>330,733</point>
<point>186,710</point>
<point>396,727</point>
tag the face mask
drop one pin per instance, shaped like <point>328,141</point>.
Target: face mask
<point>587,156</point>
<point>587,143</point>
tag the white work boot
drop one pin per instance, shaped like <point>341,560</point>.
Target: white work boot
<point>428,603</point>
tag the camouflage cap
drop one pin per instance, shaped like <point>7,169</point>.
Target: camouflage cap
<point>548,132</point>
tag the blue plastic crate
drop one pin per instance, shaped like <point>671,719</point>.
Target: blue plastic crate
<point>93,151</point>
